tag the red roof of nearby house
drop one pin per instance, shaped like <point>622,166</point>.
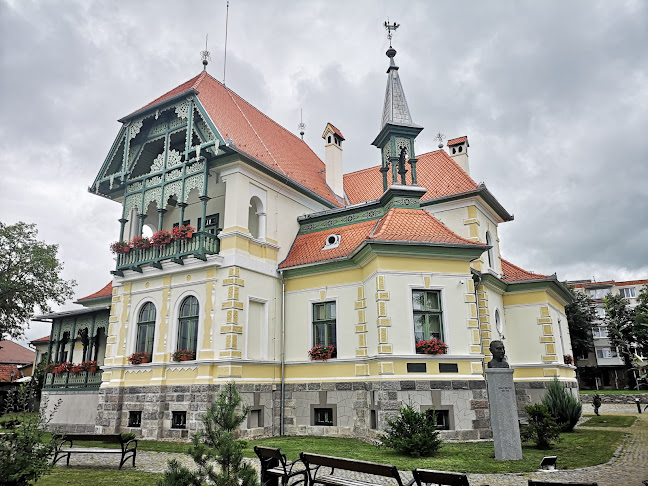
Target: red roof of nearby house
<point>632,282</point>
<point>457,141</point>
<point>398,225</point>
<point>44,339</point>
<point>436,172</point>
<point>256,134</point>
<point>104,292</point>
<point>513,273</point>
<point>14,353</point>
<point>593,284</point>
<point>5,372</point>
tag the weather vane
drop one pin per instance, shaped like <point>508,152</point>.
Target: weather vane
<point>205,55</point>
<point>389,28</point>
<point>440,137</point>
<point>301,126</point>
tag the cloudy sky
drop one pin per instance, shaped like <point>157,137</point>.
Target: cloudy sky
<point>553,96</point>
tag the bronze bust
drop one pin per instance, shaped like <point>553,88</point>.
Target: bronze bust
<point>498,351</point>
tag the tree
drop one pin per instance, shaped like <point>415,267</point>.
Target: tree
<point>217,443</point>
<point>628,328</point>
<point>29,277</point>
<point>25,452</point>
<point>580,316</point>
<point>542,428</point>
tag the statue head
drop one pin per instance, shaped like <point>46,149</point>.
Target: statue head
<point>497,350</point>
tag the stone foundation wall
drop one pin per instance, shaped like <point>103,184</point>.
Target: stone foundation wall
<point>357,409</point>
<point>157,404</point>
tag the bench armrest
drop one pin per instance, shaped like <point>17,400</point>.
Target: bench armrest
<point>412,481</point>
<point>290,465</point>
<point>60,442</point>
<point>126,445</point>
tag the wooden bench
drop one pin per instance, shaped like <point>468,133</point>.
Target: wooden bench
<point>314,462</point>
<point>128,447</point>
<point>538,482</point>
<point>440,478</point>
<point>274,467</point>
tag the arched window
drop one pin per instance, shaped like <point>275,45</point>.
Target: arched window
<point>489,241</point>
<point>188,325</point>
<point>146,328</point>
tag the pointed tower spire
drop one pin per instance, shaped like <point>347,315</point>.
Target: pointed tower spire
<point>397,130</point>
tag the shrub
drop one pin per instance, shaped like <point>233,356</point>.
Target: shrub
<point>413,432</point>
<point>542,428</point>
<point>564,407</point>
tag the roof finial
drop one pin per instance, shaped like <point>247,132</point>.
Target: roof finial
<point>440,137</point>
<point>301,125</point>
<point>205,54</point>
<point>389,28</point>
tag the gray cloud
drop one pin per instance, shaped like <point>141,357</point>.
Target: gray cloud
<point>552,95</point>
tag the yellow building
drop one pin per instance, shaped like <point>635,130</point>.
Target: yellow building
<point>278,258</point>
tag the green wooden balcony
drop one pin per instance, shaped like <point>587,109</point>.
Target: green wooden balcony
<point>199,246</point>
<point>69,380</point>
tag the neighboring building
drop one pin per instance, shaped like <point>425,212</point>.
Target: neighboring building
<point>41,347</point>
<point>289,253</point>
<point>602,366</point>
<point>16,361</point>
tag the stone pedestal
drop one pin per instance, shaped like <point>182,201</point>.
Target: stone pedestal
<point>503,414</point>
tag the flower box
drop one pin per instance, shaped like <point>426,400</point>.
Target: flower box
<point>63,367</point>
<point>120,247</point>
<point>160,238</point>
<point>431,346</point>
<point>141,243</point>
<point>321,353</point>
<point>140,357</point>
<point>90,366</point>
<point>52,367</point>
<point>183,355</point>
<point>76,369</point>
<point>184,232</point>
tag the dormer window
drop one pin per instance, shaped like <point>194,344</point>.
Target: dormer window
<point>332,241</point>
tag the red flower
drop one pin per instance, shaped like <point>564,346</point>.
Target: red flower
<point>431,346</point>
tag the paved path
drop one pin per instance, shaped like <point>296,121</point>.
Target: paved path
<point>628,467</point>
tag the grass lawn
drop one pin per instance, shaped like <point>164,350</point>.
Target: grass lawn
<point>97,477</point>
<point>613,392</point>
<point>608,421</point>
<point>580,448</point>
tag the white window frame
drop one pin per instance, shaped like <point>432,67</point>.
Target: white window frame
<point>628,290</point>
<point>444,316</point>
<point>310,321</point>
<point>172,339</point>
<point>264,328</point>
<point>131,347</point>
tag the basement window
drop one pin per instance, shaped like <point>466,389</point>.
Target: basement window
<point>135,418</point>
<point>178,420</point>
<point>323,416</point>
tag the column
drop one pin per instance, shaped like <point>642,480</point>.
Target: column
<point>122,222</point>
<point>141,217</point>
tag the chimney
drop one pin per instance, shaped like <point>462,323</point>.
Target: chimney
<point>458,148</point>
<point>333,154</point>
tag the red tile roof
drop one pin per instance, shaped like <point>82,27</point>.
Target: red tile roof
<point>335,130</point>
<point>256,134</point>
<point>436,171</point>
<point>406,225</point>
<point>513,273</point>
<point>44,339</point>
<point>104,292</point>
<point>632,282</point>
<point>5,372</point>
<point>593,284</point>
<point>457,141</point>
<point>13,353</point>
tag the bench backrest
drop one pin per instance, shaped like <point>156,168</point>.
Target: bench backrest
<point>267,453</point>
<point>351,465</point>
<point>441,478</point>
<point>537,482</point>
<point>109,438</point>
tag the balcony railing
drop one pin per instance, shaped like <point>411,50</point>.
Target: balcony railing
<point>82,379</point>
<point>199,246</point>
